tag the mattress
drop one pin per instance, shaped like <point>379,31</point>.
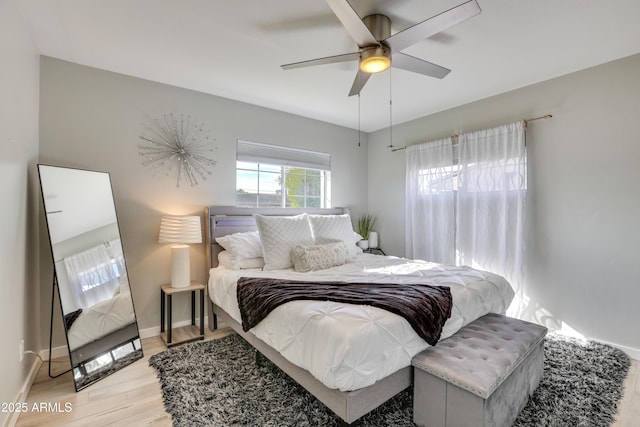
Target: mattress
<point>347,346</point>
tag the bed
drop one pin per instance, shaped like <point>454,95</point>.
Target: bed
<point>351,357</point>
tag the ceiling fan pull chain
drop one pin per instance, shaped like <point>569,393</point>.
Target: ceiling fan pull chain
<point>359,115</point>
<point>390,113</point>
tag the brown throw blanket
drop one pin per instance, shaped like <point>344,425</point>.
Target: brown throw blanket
<point>425,307</point>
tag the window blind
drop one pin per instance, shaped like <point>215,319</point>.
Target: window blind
<point>256,152</point>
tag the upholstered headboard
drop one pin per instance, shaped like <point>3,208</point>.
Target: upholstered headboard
<point>223,220</point>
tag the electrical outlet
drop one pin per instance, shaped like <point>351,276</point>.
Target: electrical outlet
<point>21,349</point>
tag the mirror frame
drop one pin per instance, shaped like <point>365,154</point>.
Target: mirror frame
<point>92,361</point>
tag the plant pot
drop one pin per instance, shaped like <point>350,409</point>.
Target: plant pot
<point>363,244</point>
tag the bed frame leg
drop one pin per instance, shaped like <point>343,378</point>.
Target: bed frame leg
<point>260,358</point>
<point>213,319</point>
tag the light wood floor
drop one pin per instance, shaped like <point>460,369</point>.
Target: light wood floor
<point>130,397</point>
<point>133,397</point>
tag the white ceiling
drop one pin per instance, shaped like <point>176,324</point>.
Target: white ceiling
<point>234,49</point>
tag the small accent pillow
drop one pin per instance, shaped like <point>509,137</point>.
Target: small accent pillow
<point>319,257</point>
<point>241,246</point>
<point>279,235</point>
<point>333,228</point>
<point>226,260</point>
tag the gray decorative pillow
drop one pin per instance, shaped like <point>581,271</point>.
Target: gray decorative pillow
<point>279,235</point>
<point>319,257</point>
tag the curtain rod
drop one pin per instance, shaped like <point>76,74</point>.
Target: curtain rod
<point>526,121</point>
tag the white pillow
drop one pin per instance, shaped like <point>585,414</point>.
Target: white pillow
<point>279,234</point>
<point>334,228</point>
<point>241,246</point>
<point>226,260</point>
<point>319,257</point>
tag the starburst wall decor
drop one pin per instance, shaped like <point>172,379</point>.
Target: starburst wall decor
<point>175,146</point>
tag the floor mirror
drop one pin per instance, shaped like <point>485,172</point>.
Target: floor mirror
<point>90,272</point>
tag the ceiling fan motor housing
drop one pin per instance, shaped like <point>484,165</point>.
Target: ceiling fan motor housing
<point>379,25</point>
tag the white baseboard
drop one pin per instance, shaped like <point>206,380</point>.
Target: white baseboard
<point>24,390</point>
<point>144,333</point>
<point>633,353</point>
<point>155,331</point>
<point>56,352</point>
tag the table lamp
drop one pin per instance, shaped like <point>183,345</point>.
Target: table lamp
<point>180,231</point>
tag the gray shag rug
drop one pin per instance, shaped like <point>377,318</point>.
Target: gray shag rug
<point>218,383</point>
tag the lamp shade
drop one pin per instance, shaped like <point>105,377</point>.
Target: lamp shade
<point>180,229</point>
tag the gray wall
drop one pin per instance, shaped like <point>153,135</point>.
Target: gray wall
<point>93,119</point>
<point>19,309</point>
<point>583,227</point>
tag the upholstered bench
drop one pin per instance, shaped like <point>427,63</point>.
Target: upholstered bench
<point>483,375</point>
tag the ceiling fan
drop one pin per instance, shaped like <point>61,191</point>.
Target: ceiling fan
<point>378,49</point>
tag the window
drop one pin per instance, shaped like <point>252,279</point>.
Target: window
<point>465,203</point>
<point>95,273</point>
<point>275,176</point>
<point>103,273</point>
<point>479,177</point>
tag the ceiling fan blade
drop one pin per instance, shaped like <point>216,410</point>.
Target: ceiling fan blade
<point>354,56</point>
<point>420,66</point>
<point>359,82</point>
<point>433,25</point>
<point>352,22</point>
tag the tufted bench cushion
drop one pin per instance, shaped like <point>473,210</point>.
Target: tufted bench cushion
<point>483,375</point>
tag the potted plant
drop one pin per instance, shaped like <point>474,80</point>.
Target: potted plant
<point>365,227</point>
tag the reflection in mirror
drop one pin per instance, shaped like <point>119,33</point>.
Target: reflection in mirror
<point>90,271</point>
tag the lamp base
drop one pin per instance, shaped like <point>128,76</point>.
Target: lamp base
<point>180,266</point>
<point>373,239</point>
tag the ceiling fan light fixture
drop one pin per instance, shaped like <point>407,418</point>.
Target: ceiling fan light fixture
<point>375,59</point>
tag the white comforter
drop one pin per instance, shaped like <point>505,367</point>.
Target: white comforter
<point>347,346</point>
<point>100,320</point>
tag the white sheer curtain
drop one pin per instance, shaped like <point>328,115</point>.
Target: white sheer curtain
<point>491,202</point>
<point>470,210</point>
<point>430,198</point>
<point>94,274</point>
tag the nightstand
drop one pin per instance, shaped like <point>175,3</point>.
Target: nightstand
<point>185,333</point>
<point>375,251</point>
